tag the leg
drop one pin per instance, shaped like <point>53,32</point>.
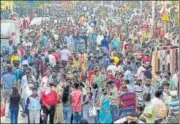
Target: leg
<point>65,114</point>
<point>52,113</point>
<point>31,117</point>
<point>37,117</point>
<point>12,116</point>
<point>16,116</point>
<point>69,113</point>
<point>45,115</point>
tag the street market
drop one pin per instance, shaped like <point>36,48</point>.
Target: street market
<point>90,62</point>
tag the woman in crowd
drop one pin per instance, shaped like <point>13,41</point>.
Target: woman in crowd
<point>105,112</point>
<point>14,105</point>
<point>87,105</point>
<point>67,108</point>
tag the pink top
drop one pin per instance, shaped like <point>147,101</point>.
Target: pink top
<point>76,100</point>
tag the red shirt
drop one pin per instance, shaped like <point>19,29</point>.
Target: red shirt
<point>56,55</point>
<point>49,99</point>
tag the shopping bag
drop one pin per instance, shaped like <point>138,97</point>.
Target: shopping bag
<point>3,108</point>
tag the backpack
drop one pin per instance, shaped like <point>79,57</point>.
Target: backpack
<point>147,95</point>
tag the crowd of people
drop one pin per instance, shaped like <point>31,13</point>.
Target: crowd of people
<point>86,72</point>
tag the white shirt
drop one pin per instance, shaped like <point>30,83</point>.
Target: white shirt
<point>65,54</point>
<point>113,68</point>
<point>25,62</point>
<point>99,39</point>
<point>175,78</point>
<point>140,73</point>
<point>52,60</point>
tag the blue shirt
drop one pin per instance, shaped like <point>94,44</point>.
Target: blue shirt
<point>105,43</point>
<point>94,38</point>
<point>9,80</point>
<point>44,40</point>
<point>115,44</point>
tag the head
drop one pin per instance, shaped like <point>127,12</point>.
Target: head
<point>104,90</point>
<point>124,88</point>
<point>125,82</point>
<point>88,90</point>
<point>166,86</point>
<point>159,93</point>
<point>28,71</point>
<point>34,91</point>
<point>76,85</point>
<point>9,69</point>
<point>103,70</point>
<point>110,84</point>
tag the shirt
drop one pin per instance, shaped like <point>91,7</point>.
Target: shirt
<point>52,60</point>
<point>8,80</point>
<point>128,99</point>
<point>99,39</point>
<point>49,99</point>
<point>76,100</point>
<point>112,68</point>
<point>128,76</point>
<point>174,106</point>
<point>149,109</point>
<point>65,54</point>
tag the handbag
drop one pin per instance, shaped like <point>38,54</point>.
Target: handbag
<point>93,111</point>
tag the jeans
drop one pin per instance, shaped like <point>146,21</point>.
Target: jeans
<point>14,115</point>
<point>127,112</point>
<point>67,112</point>
<point>76,117</point>
<point>114,112</point>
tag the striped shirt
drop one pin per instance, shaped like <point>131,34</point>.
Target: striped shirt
<point>174,106</point>
<point>128,99</point>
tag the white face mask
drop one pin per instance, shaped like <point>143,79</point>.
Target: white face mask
<point>48,90</point>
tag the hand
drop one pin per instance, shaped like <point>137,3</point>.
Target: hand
<point>48,107</point>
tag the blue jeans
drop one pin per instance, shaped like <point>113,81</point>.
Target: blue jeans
<point>127,112</point>
<point>76,117</point>
<point>67,112</point>
<point>14,115</point>
<point>114,112</point>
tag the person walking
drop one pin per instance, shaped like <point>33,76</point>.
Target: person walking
<point>67,108</point>
<point>34,106</point>
<point>14,105</point>
<point>105,110</point>
<point>49,100</point>
<point>76,96</point>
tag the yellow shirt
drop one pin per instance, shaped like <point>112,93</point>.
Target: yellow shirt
<point>76,64</point>
<point>116,59</point>
<point>14,58</point>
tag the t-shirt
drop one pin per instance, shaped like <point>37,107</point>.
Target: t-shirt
<point>128,99</point>
<point>65,54</point>
<point>9,80</point>
<point>76,100</point>
<point>149,109</point>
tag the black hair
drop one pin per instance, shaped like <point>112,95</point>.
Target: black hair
<point>158,93</point>
<point>110,82</point>
<point>15,96</point>
<point>126,81</point>
<point>83,121</point>
<point>31,63</point>
<point>76,85</point>
<point>65,94</point>
<point>25,56</point>
<point>112,61</point>
<point>9,69</point>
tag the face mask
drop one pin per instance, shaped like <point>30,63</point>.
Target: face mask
<point>48,90</point>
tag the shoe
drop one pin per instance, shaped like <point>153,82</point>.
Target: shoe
<point>23,115</point>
